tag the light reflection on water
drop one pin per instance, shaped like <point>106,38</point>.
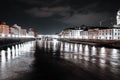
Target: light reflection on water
<point>9,59</point>
<point>8,54</point>
<point>94,58</point>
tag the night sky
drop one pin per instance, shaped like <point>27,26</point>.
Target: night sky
<point>51,16</point>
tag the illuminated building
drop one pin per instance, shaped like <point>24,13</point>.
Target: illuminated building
<point>118,17</point>
<point>31,33</point>
<point>4,29</point>
<point>91,32</point>
<point>17,31</point>
<point>13,32</point>
<point>23,32</point>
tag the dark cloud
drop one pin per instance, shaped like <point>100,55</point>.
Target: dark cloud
<point>89,19</point>
<point>48,12</point>
<point>56,12</point>
<point>99,5</point>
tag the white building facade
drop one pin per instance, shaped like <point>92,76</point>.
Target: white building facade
<point>118,17</point>
<point>97,33</point>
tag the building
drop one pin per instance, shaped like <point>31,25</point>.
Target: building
<point>96,33</point>
<point>118,17</point>
<point>66,33</point>
<point>4,29</point>
<point>84,34</point>
<point>92,34</point>
<point>13,32</point>
<point>17,30</point>
<point>31,32</point>
<point>76,33</point>
<point>23,32</point>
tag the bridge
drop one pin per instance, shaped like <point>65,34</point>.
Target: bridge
<point>47,37</point>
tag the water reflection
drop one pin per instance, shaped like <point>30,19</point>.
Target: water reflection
<point>13,52</point>
<point>3,56</point>
<point>8,54</point>
<point>91,57</point>
<point>9,58</point>
<point>93,51</point>
<point>3,63</point>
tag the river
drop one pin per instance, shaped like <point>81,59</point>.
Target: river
<point>102,63</point>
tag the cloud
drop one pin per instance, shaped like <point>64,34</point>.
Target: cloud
<point>38,12</point>
<point>30,1</point>
<point>74,12</point>
<point>48,12</point>
<point>88,19</point>
<point>65,8</point>
<point>41,2</point>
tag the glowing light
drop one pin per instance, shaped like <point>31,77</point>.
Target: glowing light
<point>3,56</point>
<point>13,52</point>
<point>61,48</point>
<point>86,49</point>
<point>72,47</point>
<point>9,35</point>
<point>76,48</point>
<point>102,61</point>
<point>114,57</point>
<point>49,44</point>
<point>54,46</point>
<point>86,58</point>
<point>93,50</point>
<point>103,52</point>
<point>75,57</point>
<point>8,53</point>
<point>16,50</point>
<point>81,49</point>
<point>55,40</point>
<point>3,35</point>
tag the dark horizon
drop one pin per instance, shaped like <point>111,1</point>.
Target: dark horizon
<point>50,17</point>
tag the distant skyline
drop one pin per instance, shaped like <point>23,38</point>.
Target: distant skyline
<point>51,16</point>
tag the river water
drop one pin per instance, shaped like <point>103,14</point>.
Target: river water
<point>102,62</point>
<point>16,60</point>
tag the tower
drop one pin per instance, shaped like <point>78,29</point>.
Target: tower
<point>118,17</point>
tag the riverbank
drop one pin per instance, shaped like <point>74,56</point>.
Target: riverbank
<point>107,43</point>
<point>12,41</point>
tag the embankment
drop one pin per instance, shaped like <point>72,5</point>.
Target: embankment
<point>108,43</point>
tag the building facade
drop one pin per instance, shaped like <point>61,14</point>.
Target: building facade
<point>118,17</point>
<point>4,30</point>
<point>91,32</point>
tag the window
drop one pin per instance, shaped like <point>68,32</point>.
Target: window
<point>110,30</point>
<point>110,37</point>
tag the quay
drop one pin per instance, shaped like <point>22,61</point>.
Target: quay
<point>107,43</point>
<point>4,42</point>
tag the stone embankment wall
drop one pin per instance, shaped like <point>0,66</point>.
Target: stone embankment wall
<point>109,43</point>
<point>11,41</point>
